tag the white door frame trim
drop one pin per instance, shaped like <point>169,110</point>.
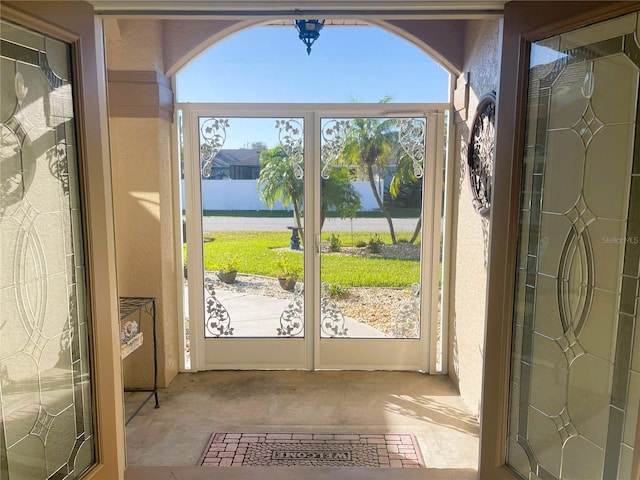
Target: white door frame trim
<point>431,228</point>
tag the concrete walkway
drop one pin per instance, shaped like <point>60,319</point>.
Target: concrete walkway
<point>259,316</point>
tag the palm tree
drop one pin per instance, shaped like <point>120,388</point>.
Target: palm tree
<point>278,181</point>
<point>405,174</point>
<point>370,144</point>
<point>338,194</point>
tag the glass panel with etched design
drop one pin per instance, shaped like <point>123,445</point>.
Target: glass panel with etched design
<point>252,187</point>
<point>575,379</point>
<point>46,423</point>
<point>370,219</point>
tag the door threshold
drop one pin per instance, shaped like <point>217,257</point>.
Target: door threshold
<point>296,473</point>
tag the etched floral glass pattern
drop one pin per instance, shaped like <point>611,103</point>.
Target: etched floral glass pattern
<point>372,165</point>
<point>575,378</point>
<point>46,422</point>
<point>238,170</point>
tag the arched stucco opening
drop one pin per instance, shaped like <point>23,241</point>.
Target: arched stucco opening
<point>392,44</point>
<point>185,40</point>
<point>157,48</point>
<point>141,54</point>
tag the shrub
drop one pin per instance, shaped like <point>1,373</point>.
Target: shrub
<point>334,243</point>
<point>337,291</point>
<point>375,244</point>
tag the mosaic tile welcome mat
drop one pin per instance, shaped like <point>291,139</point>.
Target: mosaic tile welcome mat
<point>390,450</point>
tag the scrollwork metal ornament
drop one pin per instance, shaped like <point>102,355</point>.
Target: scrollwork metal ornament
<point>290,136</point>
<point>412,137</point>
<point>334,134</point>
<point>407,321</point>
<point>213,133</point>
<point>332,321</point>
<point>481,152</point>
<point>292,319</point>
<point>217,319</point>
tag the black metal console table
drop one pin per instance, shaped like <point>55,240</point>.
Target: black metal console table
<point>131,339</point>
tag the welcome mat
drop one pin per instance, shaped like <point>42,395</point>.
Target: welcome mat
<point>390,450</point>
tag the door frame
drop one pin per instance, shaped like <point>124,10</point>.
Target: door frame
<point>432,199</point>
<point>524,23</point>
<point>84,33</point>
<point>308,350</point>
<point>284,358</point>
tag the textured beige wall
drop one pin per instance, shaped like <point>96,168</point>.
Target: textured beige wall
<point>443,39</point>
<point>185,40</point>
<point>144,213</point>
<point>470,230</point>
<point>137,46</point>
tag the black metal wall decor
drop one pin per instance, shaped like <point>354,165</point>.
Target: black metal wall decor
<point>481,152</point>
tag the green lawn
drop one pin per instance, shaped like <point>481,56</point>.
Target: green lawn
<point>256,254</point>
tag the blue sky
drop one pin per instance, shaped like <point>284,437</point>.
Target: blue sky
<point>270,64</point>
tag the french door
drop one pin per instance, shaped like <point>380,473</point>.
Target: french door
<point>343,203</point>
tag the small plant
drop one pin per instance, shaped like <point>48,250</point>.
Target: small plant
<point>228,269</point>
<point>375,244</point>
<point>338,291</point>
<point>334,243</point>
<point>285,267</point>
<point>288,272</point>
<point>231,264</point>
<point>361,244</point>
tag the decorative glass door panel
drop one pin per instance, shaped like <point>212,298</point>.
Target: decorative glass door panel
<point>46,421</point>
<point>251,173</point>
<point>241,176</point>
<point>371,184</point>
<point>377,278</point>
<point>271,190</point>
<point>575,380</point>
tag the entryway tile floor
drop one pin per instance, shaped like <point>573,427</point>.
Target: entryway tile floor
<point>196,405</point>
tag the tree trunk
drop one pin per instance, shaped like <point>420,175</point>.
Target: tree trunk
<point>384,210</point>
<point>296,212</point>
<point>416,232</point>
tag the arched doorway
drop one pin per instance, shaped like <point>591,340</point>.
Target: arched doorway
<point>314,327</point>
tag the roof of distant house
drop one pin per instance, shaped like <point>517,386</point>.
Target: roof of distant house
<point>237,157</point>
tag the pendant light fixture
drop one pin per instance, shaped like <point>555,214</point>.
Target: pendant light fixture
<point>308,31</point>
